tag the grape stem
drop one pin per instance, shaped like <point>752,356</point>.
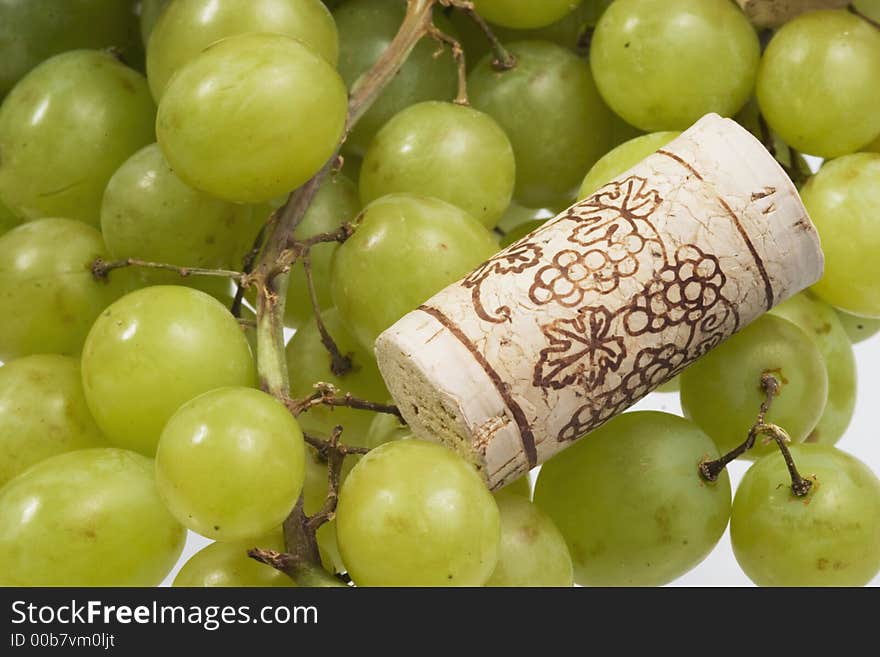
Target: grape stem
<point>328,395</point>
<point>504,60</point>
<point>101,268</point>
<point>461,97</point>
<point>709,470</point>
<point>340,364</point>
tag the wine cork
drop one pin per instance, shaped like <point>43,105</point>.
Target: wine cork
<point>580,319</point>
<point>773,13</point>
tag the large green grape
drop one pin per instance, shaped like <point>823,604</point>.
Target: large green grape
<point>413,513</point>
<point>48,296</point>
<point>228,564</point>
<point>308,362</point>
<point>631,503</point>
<point>406,249</point>
<point>230,463</point>
<point>64,130</point>
<point>232,117</point>
<point>92,517</point>
<point>722,392</point>
<point>34,30</point>
<point>662,64</point>
<point>149,213</point>
<point>43,412</point>
<point>817,85</point>
<point>335,203</point>
<point>623,158</point>
<point>447,151</point>
<point>190,26</point>
<point>366,27</point>
<point>831,537</point>
<point>524,14</point>
<point>154,350</point>
<point>858,328</point>
<point>843,200</point>
<point>821,323</point>
<point>549,107</point>
<point>532,551</point>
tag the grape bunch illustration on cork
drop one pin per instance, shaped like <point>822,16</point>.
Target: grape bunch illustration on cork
<point>380,293</point>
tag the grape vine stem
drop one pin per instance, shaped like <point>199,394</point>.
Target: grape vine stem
<point>101,268</point>
<point>710,470</point>
<point>327,395</point>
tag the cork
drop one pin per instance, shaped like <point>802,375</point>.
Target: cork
<point>773,13</point>
<point>580,319</point>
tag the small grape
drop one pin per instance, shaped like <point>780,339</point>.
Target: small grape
<point>525,14</point>
<point>47,291</point>
<point>447,151</point>
<point>413,513</point>
<point>406,248</point>
<point>858,328</point>
<point>552,113</point>
<point>532,552</point>
<point>821,323</point>
<point>366,27</point>
<point>630,501</point>
<point>230,463</point>
<point>230,118</point>
<point>154,350</point>
<point>228,564</point>
<point>662,64</point>
<point>817,85</point>
<point>43,412</point>
<point>830,537</point>
<point>309,362</point>
<point>843,201</point>
<point>92,517</point>
<point>191,26</point>
<point>621,159</point>
<point>722,391</point>
<point>65,128</point>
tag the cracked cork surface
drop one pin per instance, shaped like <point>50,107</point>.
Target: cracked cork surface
<point>580,319</point>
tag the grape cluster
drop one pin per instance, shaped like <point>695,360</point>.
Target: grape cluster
<point>182,179</point>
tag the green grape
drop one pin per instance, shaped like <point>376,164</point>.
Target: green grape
<point>227,564</point>
<point>384,428</point>
<point>406,248</point>
<point>43,412</point>
<point>151,10</point>
<point>662,64</point>
<point>858,328</point>
<point>34,30</point>
<point>189,26</point>
<point>149,213</point>
<point>447,151</point>
<point>308,363</point>
<point>314,496</point>
<point>521,231</point>
<point>335,203</point>
<point>843,200</point>
<point>622,158</point>
<point>65,128</point>
<point>154,350</point>
<point>231,117</point>
<point>48,295</point>
<point>413,513</point>
<point>830,537</point>
<point>92,517</point>
<point>631,503</point>
<point>817,84</point>
<point>366,27</point>
<point>722,392</point>
<point>524,14</point>
<point>230,463</point>
<point>819,321</point>
<point>532,551</point>
<point>519,486</point>
<point>7,219</point>
<point>549,107</point>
